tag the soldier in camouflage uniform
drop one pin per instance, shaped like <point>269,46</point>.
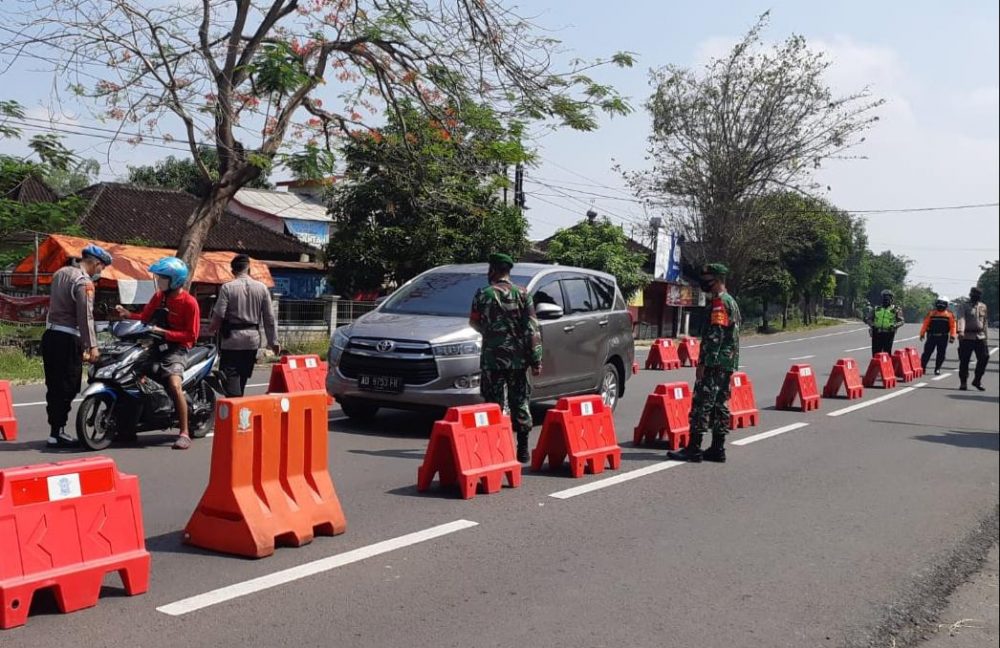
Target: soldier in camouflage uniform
<point>505,316</point>
<point>720,357</point>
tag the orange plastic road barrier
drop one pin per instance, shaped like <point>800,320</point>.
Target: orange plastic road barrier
<point>65,526</point>
<point>667,414</point>
<point>800,383</point>
<point>915,364</point>
<point>845,373</point>
<point>901,365</point>
<point>269,482</point>
<point>690,351</point>
<point>293,374</point>
<point>8,422</point>
<point>635,368</point>
<point>471,446</point>
<point>743,410</point>
<point>880,368</point>
<point>663,355</point>
<point>583,429</point>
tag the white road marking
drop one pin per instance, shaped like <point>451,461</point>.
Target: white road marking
<point>617,479</point>
<point>767,435</point>
<point>805,339</point>
<point>803,357</point>
<point>257,385</point>
<point>333,420</point>
<point>868,346</point>
<point>941,377</point>
<point>880,399</point>
<point>994,350</point>
<point>261,583</point>
<point>29,404</point>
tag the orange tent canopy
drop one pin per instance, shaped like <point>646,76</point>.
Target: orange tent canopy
<point>131,262</point>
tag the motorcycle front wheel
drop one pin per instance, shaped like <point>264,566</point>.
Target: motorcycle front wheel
<point>95,425</point>
<point>205,401</point>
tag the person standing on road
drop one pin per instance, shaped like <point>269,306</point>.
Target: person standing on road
<point>505,316</point>
<point>939,329</point>
<point>173,313</point>
<point>885,320</point>
<point>720,357</point>
<point>69,339</point>
<point>973,320</point>
<point>243,306</point>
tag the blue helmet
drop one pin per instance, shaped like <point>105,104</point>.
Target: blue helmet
<point>173,269</point>
<point>97,252</point>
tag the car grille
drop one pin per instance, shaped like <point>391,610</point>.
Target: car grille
<point>413,372</point>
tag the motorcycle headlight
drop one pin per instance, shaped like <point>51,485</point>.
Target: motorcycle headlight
<point>105,372</point>
<point>457,349</point>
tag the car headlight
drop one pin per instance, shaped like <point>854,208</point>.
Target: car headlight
<point>340,339</point>
<point>457,349</point>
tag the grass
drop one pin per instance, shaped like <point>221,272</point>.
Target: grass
<point>822,322</point>
<point>19,368</point>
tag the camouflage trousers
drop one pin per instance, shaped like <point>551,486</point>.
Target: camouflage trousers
<point>710,402</point>
<point>511,390</point>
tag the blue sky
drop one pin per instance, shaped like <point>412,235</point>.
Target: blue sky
<point>936,145</point>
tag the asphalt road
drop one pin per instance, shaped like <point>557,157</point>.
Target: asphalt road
<point>807,537</point>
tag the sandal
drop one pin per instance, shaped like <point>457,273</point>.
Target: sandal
<point>183,442</point>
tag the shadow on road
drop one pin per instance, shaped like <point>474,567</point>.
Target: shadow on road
<point>982,398</point>
<point>400,453</point>
<point>959,439</point>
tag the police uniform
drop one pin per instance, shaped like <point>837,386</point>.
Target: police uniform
<point>939,328</point>
<point>720,357</point>
<point>69,331</point>
<point>505,316</point>
<point>884,322</point>
<point>243,306</point>
<point>972,329</point>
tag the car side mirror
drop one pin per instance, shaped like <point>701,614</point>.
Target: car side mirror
<point>548,311</point>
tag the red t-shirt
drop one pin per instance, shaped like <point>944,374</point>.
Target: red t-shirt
<point>183,317</point>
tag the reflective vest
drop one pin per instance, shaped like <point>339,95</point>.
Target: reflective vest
<point>885,319</point>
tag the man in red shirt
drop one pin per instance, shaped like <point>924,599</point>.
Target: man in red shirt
<point>173,313</point>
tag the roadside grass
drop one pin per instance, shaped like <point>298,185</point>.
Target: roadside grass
<point>18,368</point>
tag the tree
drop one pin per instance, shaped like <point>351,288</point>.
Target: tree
<point>887,271</point>
<point>184,174</point>
<point>81,174</point>
<point>857,265</point>
<point>767,280</point>
<point>915,301</point>
<point>600,245</point>
<point>257,77</point>
<point>989,283</point>
<point>47,146</point>
<point>417,195</point>
<point>750,123</point>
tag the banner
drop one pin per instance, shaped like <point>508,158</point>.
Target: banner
<point>678,295</point>
<point>25,310</point>
<point>667,262</point>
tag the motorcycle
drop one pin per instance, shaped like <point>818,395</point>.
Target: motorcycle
<point>123,400</point>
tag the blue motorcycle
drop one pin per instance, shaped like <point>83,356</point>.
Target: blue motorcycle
<point>122,398</point>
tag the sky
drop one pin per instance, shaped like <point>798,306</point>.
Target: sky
<point>936,144</point>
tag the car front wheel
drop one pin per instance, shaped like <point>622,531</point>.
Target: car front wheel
<point>609,387</point>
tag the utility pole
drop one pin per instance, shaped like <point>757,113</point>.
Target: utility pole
<point>519,185</point>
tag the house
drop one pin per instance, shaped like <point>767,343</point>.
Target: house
<point>30,190</point>
<point>300,211</point>
<point>152,217</point>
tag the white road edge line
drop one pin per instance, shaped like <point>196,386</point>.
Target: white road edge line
<point>994,350</point>
<point>77,400</point>
<point>261,583</point>
<point>858,349</point>
<point>880,399</point>
<point>941,377</point>
<point>767,435</point>
<point>805,339</point>
<point>617,479</point>
<point>802,357</point>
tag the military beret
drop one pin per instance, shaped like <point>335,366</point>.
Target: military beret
<point>717,269</point>
<point>501,259</point>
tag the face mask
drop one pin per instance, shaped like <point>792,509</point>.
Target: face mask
<point>886,301</point>
<point>973,299</point>
<point>95,277</point>
<point>706,284</point>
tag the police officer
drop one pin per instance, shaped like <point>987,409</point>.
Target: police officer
<point>720,357</point>
<point>884,321</point>
<point>939,329</point>
<point>972,326</point>
<point>505,316</point>
<point>69,339</point>
<point>244,304</point>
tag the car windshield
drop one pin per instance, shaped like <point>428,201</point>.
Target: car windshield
<point>446,294</point>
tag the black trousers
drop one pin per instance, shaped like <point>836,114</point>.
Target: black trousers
<point>237,367</point>
<point>882,342</point>
<point>62,359</point>
<point>938,343</point>
<point>965,350</point>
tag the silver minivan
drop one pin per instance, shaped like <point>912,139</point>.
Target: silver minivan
<point>417,350</point>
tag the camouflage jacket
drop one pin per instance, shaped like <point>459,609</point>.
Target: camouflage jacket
<point>720,344</point>
<point>505,315</point>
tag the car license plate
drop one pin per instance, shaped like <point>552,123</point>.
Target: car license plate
<point>389,384</point>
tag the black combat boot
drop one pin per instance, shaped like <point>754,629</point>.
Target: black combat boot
<point>978,385</point>
<point>691,453</point>
<point>523,456</point>
<point>717,451</point>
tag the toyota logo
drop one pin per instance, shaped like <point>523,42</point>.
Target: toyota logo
<point>385,346</point>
